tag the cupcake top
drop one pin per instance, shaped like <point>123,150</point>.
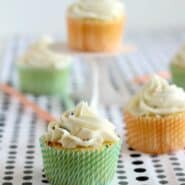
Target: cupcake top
<point>157,97</point>
<point>179,58</point>
<point>81,127</point>
<point>40,55</point>
<point>97,9</point>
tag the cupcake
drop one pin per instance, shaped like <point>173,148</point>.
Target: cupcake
<point>178,68</point>
<point>42,71</point>
<point>80,148</point>
<point>95,25</point>
<point>155,118</point>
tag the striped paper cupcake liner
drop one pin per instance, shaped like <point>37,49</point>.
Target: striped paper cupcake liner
<point>80,166</point>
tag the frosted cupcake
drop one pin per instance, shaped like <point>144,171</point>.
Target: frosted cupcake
<point>155,118</point>
<point>42,71</point>
<point>95,25</point>
<point>178,68</point>
<point>81,148</point>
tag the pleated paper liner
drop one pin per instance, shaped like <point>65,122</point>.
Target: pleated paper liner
<point>44,81</point>
<point>95,35</point>
<point>80,166</point>
<point>156,135</point>
<point>178,75</point>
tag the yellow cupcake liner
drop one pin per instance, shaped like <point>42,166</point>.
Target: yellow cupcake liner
<point>92,35</point>
<point>155,134</point>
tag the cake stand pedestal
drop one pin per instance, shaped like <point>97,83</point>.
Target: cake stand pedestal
<point>98,87</point>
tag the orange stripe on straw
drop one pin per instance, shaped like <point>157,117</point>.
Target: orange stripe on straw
<point>145,78</point>
<point>44,115</point>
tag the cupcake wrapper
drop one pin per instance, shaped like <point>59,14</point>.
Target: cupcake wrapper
<point>178,75</point>
<point>78,166</point>
<point>44,81</point>
<point>156,135</point>
<point>84,34</point>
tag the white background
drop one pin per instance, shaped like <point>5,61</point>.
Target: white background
<point>47,16</point>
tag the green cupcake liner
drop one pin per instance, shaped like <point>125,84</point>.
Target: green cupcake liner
<point>78,166</point>
<point>44,81</point>
<point>178,75</point>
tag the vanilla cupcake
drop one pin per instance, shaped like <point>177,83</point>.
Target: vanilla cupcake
<point>155,118</point>
<point>178,68</point>
<point>80,148</point>
<point>42,71</point>
<point>95,25</point>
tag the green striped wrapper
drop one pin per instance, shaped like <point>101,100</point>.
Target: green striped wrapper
<point>44,81</point>
<point>178,75</point>
<point>80,166</point>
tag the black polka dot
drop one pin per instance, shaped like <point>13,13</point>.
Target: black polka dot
<point>139,170</point>
<point>28,171</point>
<point>142,178</point>
<point>157,165</point>
<point>182,179</point>
<point>45,181</point>
<point>163,182</point>
<point>173,158</point>
<point>180,174</point>
<point>137,162</point>
<point>155,160</point>
<point>11,157</point>
<point>153,156</point>
<point>8,172</point>
<point>12,152</point>
<point>13,146</point>
<point>26,183</point>
<point>176,164</point>
<point>7,183</point>
<point>10,167</point>
<point>135,155</point>
<point>178,169</point>
<point>10,162</point>
<point>161,176</point>
<point>2,124</point>
<point>30,146</point>
<point>30,152</point>
<point>120,171</point>
<point>120,166</point>
<point>27,177</point>
<point>123,183</point>
<point>8,178</point>
<point>28,162</point>
<point>28,167</point>
<point>122,177</point>
<point>29,157</point>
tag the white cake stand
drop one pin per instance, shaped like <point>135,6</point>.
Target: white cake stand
<point>98,88</point>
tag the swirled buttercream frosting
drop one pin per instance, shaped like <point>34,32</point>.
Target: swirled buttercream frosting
<point>81,127</point>
<point>40,55</point>
<point>157,97</point>
<point>97,9</point>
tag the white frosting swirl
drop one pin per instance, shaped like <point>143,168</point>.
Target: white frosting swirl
<point>40,55</point>
<point>81,127</point>
<point>158,98</point>
<point>97,9</point>
<point>179,58</point>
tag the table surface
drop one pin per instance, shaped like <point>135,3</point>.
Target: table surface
<point>20,158</point>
